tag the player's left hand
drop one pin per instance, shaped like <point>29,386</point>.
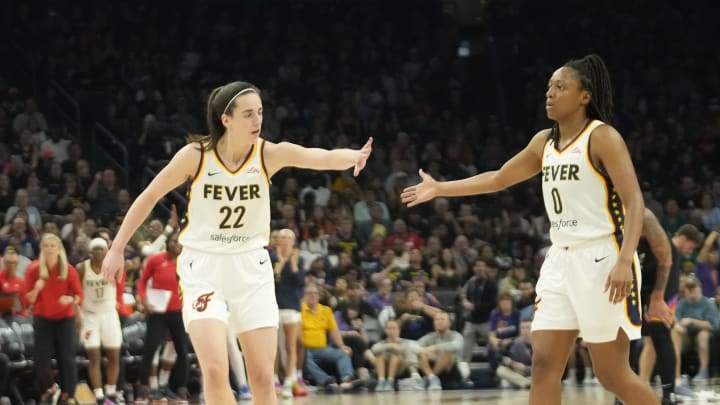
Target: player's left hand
<point>619,282</point>
<point>658,309</point>
<point>362,157</point>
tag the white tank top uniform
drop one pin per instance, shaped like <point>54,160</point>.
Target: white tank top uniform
<point>586,224</point>
<point>100,319</point>
<point>225,271</point>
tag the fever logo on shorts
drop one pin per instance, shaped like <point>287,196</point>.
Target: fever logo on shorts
<point>202,302</point>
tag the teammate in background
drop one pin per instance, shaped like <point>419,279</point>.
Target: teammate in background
<point>100,321</point>
<point>589,282</point>
<point>226,276</point>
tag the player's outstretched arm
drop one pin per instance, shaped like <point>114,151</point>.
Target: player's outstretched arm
<point>182,167</point>
<point>520,167</point>
<point>286,154</point>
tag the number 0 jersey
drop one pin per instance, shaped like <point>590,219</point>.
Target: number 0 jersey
<point>228,211</point>
<point>580,200</point>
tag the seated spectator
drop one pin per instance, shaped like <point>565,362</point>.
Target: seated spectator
<point>375,225</point>
<point>428,298</point>
<point>390,270</point>
<point>158,234</point>
<point>525,302</point>
<point>383,297</point>
<point>415,316</point>
<point>21,236</point>
<point>10,281</point>
<point>516,275</point>
<point>706,265</point>
<point>369,257</point>
<point>70,198</point>
<point>22,203</point>
<point>395,357</point>
<point>7,193</point>
<point>504,328</point>
<point>697,319</point>
<point>410,240</point>
<point>416,271</point>
<point>516,364</point>
<point>440,352</point>
<point>350,326</point>
<point>103,194</point>
<point>314,246</point>
<point>56,145</point>
<point>445,271</point>
<point>31,120</point>
<point>318,322</point>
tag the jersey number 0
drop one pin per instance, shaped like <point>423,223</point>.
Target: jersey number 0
<point>557,202</point>
<point>228,212</point>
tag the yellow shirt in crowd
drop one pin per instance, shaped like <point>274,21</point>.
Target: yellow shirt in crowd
<point>317,325</point>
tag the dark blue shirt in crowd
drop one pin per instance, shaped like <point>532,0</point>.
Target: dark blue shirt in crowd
<point>289,289</point>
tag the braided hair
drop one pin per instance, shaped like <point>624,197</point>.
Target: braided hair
<point>595,78</point>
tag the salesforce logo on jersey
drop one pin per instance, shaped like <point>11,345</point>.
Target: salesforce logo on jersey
<point>228,239</point>
<point>563,223</point>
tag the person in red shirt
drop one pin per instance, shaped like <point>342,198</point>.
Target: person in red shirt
<point>400,231</point>
<point>52,287</point>
<point>161,269</point>
<point>10,282</point>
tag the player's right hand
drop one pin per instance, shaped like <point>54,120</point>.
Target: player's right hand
<point>113,265</point>
<point>419,193</point>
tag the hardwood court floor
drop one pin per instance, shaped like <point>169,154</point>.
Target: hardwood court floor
<point>591,395</point>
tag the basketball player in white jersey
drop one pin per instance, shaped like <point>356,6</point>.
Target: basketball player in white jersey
<point>226,277</point>
<point>100,321</point>
<point>589,283</point>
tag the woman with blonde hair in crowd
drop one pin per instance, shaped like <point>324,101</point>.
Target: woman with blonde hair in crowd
<point>52,287</point>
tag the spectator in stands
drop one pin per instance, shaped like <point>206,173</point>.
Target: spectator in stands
<point>504,328</point>
<point>159,234</point>
<point>710,213</point>
<point>673,217</point>
<point>83,175</point>
<point>318,323</point>
<point>74,226</point>
<point>440,353</point>
<point>31,119</point>
<point>10,281</point>
<point>478,298</point>
<point>26,153</point>
<point>22,203</point>
<point>321,222</point>
<point>288,220</point>
<point>390,269</point>
<point>70,198</point>
<point>516,275</point>
<point>395,357</point>
<point>20,235</point>
<point>362,210</point>
<point>80,251</point>
<point>375,225</point>
<point>313,246</point>
<point>161,269</point>
<point>415,316</point>
<point>369,257</point>
<point>52,288</point>
<point>516,364</point>
<point>103,194</point>
<point>525,302</point>
<point>410,240</point>
<point>383,297</point>
<point>416,270</point>
<point>706,266</point>
<point>289,283</point>
<point>447,274</point>
<point>7,193</point>
<point>56,145</point>
<point>318,187</point>
<point>697,319</point>
<point>350,325</point>
<point>345,238</point>
<point>464,254</point>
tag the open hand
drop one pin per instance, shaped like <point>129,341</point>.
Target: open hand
<point>419,193</point>
<point>659,310</point>
<point>362,157</point>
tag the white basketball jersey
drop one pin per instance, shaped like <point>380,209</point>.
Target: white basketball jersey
<point>98,295</point>
<point>228,212</point>
<point>580,200</point>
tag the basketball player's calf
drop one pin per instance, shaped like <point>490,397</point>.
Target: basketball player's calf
<point>611,367</point>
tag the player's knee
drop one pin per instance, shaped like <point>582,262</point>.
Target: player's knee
<point>213,372</point>
<point>261,379</point>
<point>610,378</point>
<point>547,364</point>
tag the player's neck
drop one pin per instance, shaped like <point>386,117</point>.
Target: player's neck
<point>571,127</point>
<point>233,150</point>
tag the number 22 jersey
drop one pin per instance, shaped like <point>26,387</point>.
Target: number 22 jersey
<point>228,211</point>
<point>580,200</point>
